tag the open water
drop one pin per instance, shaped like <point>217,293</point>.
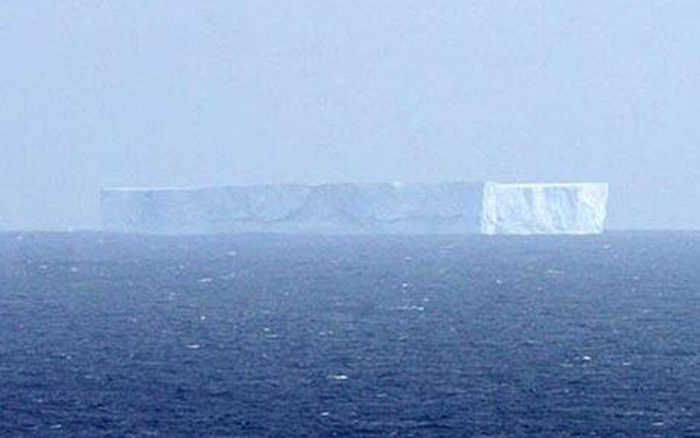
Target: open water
<point>280,336</point>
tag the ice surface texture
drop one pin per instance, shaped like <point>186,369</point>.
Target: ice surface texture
<point>456,207</point>
<point>544,208</point>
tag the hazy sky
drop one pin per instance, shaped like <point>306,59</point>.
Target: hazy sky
<point>236,92</point>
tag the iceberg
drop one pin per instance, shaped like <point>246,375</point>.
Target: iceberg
<point>544,208</point>
<point>420,208</point>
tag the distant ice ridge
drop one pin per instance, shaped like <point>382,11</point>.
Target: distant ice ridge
<point>455,207</point>
<point>302,208</point>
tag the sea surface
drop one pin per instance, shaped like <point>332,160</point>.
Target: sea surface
<point>308,336</point>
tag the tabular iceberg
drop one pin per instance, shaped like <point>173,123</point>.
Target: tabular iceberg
<point>455,207</point>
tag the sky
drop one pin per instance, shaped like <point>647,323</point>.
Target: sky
<point>154,93</point>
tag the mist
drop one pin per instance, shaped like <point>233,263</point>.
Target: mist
<point>125,93</point>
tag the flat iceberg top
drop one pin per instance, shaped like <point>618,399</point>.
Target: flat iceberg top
<point>547,185</point>
<point>397,185</point>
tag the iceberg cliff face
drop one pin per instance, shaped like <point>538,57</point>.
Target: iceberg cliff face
<point>325,208</point>
<point>544,208</point>
<point>457,207</point>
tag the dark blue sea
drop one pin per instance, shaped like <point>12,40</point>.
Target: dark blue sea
<point>308,336</point>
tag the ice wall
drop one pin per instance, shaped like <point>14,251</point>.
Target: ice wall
<point>325,208</point>
<point>457,207</point>
<point>544,208</point>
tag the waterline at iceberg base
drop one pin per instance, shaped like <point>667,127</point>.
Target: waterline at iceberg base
<point>351,208</point>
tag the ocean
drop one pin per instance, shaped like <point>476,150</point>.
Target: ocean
<point>344,336</point>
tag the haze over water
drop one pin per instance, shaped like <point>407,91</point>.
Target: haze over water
<point>120,93</point>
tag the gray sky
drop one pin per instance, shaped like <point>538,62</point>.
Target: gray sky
<point>237,92</point>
